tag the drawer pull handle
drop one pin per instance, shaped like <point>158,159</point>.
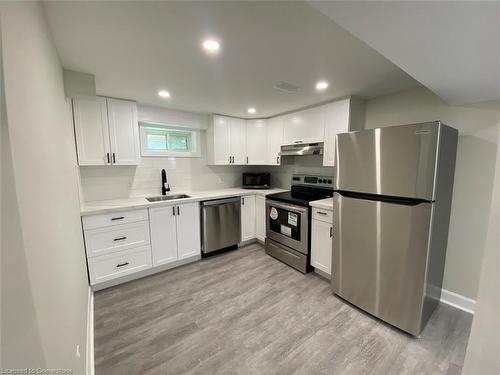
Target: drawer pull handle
<point>122,264</point>
<point>117,218</point>
<point>321,213</point>
<point>331,232</point>
<point>120,239</point>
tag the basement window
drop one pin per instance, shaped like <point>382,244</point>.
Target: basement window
<point>165,141</point>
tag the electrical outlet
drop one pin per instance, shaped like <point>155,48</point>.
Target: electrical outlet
<point>78,350</point>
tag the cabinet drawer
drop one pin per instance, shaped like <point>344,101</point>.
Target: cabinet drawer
<point>118,237</point>
<point>114,218</point>
<point>322,214</point>
<point>111,266</point>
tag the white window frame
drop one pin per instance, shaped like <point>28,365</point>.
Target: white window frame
<point>195,140</point>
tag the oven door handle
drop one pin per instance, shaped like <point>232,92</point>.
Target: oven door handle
<point>285,206</point>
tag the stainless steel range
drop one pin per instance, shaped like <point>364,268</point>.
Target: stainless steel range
<point>288,220</point>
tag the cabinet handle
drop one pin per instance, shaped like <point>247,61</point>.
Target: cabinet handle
<point>122,264</point>
<point>117,218</point>
<point>178,211</point>
<point>173,210</point>
<point>120,239</point>
<point>321,213</point>
<point>331,232</point>
<point>298,142</point>
<point>229,159</point>
<point>277,159</point>
<point>114,158</point>
<point>242,201</point>
<point>107,157</point>
<point>247,159</point>
<point>233,159</point>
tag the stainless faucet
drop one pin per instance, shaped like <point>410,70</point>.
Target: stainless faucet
<point>164,186</point>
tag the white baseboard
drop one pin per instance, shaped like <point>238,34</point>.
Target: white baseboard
<point>90,334</point>
<point>458,301</point>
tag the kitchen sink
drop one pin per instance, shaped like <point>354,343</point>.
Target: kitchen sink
<point>167,197</point>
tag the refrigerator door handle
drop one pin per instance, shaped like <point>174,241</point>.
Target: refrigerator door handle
<point>383,198</point>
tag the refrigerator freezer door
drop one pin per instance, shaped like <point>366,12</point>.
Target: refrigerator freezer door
<point>395,161</point>
<point>379,258</point>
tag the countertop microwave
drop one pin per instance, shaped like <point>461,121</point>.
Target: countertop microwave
<point>256,181</point>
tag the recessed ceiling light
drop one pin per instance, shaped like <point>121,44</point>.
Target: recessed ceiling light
<point>164,94</point>
<point>251,110</point>
<point>211,45</point>
<point>321,85</point>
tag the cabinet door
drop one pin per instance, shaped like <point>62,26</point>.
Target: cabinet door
<point>238,141</point>
<point>304,126</point>
<point>188,230</point>
<point>92,131</point>
<point>163,234</point>
<point>221,140</point>
<point>123,132</point>
<point>321,245</point>
<point>260,217</point>
<point>247,217</point>
<point>256,141</point>
<point>336,122</point>
<point>274,140</point>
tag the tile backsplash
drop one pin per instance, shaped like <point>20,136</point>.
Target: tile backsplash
<point>184,174</point>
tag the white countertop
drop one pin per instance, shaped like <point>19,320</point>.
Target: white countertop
<point>326,204</point>
<point>100,207</point>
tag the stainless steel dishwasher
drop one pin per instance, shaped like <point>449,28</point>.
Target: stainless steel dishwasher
<point>220,224</point>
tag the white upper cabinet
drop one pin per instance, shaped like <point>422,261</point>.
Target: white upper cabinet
<point>336,121</point>
<point>226,141</point>
<point>274,140</point>
<point>123,132</point>
<point>91,130</point>
<point>238,143</point>
<point>340,117</point>
<point>305,126</point>
<point>257,137</point>
<point>219,141</point>
<point>107,131</point>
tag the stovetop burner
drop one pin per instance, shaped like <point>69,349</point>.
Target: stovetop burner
<point>306,189</point>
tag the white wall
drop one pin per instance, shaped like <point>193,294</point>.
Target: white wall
<point>44,281</point>
<point>476,155</point>
<point>482,352</point>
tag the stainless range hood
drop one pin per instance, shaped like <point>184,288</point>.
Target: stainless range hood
<point>302,149</point>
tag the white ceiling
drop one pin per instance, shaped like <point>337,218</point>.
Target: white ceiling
<point>136,48</point>
<point>452,47</point>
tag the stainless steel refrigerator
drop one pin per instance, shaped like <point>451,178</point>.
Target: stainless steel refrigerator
<point>392,201</point>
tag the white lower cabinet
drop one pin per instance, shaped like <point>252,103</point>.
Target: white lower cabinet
<point>175,232</point>
<point>260,217</point>
<point>321,240</point>
<point>111,266</point>
<point>163,234</point>
<point>126,242</point>
<point>247,217</point>
<point>188,230</point>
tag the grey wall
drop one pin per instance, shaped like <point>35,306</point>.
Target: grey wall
<point>44,290</point>
<point>482,352</point>
<point>476,156</point>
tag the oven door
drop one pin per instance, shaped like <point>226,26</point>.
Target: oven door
<point>288,224</point>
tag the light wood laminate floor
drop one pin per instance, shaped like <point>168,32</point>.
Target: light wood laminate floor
<point>244,312</point>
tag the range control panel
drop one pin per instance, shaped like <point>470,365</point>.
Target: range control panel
<point>309,180</point>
